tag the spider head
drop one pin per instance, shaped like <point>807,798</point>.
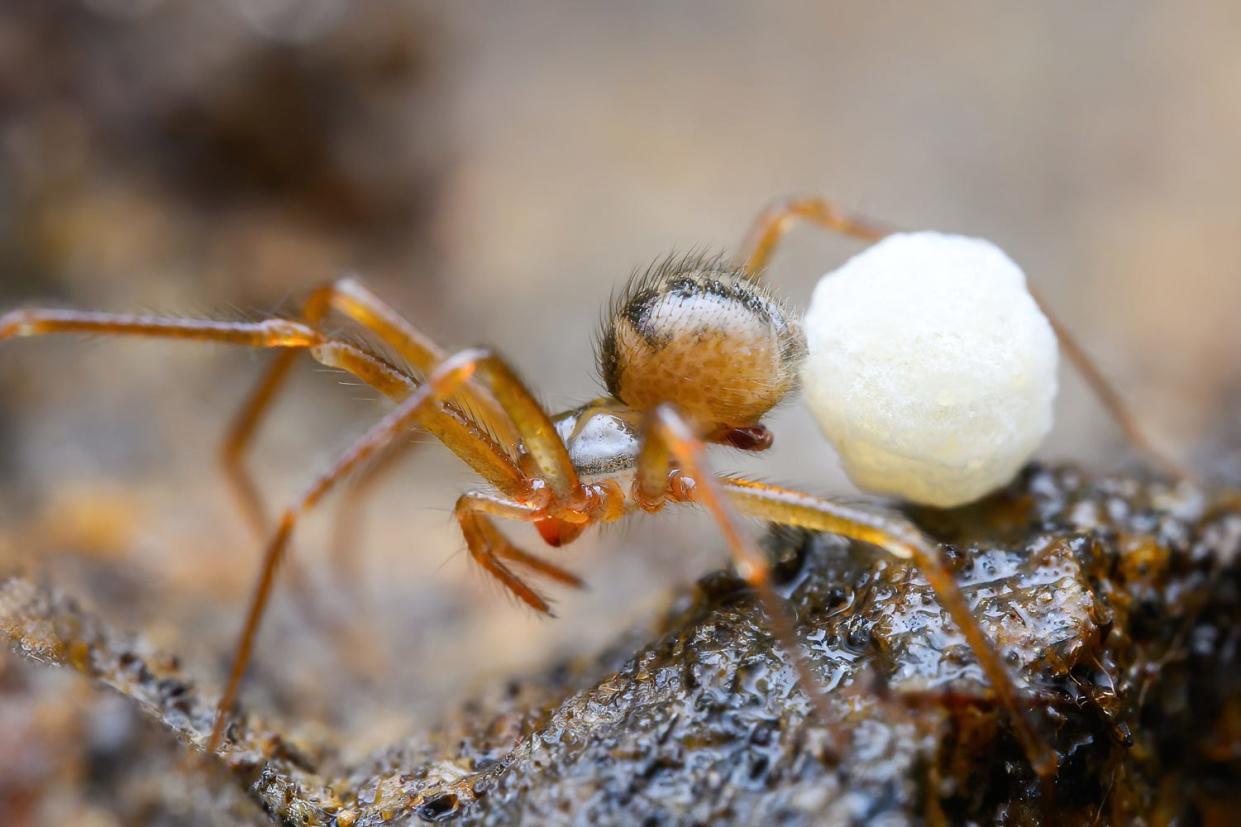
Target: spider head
<point>697,333</point>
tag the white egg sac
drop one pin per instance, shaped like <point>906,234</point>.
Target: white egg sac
<point>930,368</point>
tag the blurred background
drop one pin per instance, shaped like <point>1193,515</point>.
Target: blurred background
<point>495,171</point>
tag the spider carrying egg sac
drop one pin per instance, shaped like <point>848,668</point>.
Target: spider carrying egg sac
<point>931,369</point>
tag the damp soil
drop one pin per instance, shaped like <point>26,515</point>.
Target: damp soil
<point>1115,601</point>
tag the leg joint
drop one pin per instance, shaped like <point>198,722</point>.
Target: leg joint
<point>14,323</point>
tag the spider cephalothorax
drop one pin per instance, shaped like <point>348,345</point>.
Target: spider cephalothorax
<point>701,334</point>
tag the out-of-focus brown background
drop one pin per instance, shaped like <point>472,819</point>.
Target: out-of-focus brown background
<point>495,170</point>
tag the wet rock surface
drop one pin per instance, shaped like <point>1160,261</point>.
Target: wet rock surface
<point>1116,603</point>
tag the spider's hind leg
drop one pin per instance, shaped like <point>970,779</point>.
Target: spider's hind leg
<point>671,437</point>
<point>901,539</point>
<point>771,225</point>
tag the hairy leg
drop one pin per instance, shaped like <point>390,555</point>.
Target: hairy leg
<point>529,495</point>
<point>274,333</point>
<point>269,333</point>
<point>457,431</point>
<point>348,297</point>
<point>422,407</point>
<point>693,481</point>
<point>539,442</point>
<point>774,222</point>
<point>669,436</point>
<point>901,539</point>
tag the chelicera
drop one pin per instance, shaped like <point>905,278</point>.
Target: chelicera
<point>694,352</point>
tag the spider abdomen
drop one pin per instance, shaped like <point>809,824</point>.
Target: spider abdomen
<point>699,334</point>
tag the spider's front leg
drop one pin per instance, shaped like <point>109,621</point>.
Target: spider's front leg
<point>545,487</point>
<point>352,300</point>
<point>421,407</point>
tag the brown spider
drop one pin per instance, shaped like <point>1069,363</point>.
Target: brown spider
<point>695,351</point>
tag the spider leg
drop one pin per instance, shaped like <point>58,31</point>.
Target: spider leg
<point>669,436</point>
<point>269,333</point>
<point>494,395</point>
<point>348,297</point>
<point>514,411</point>
<point>348,523</point>
<point>423,407</point>
<point>693,481</point>
<point>250,500</point>
<point>276,333</point>
<point>457,431</point>
<point>901,539</point>
<point>774,222</point>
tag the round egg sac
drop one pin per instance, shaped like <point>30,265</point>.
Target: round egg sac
<point>930,368</point>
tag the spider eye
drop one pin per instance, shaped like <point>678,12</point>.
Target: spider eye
<point>700,335</point>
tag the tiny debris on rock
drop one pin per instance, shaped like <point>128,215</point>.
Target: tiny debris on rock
<point>1117,603</point>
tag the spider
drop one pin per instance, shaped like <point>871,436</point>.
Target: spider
<point>695,352</point>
